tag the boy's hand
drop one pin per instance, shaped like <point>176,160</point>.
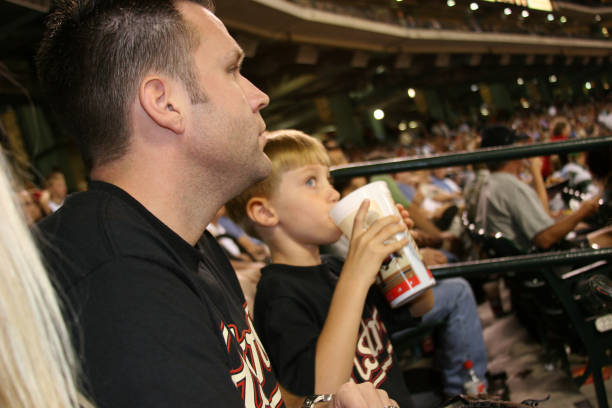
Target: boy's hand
<point>405,216</point>
<point>365,395</point>
<point>368,249</point>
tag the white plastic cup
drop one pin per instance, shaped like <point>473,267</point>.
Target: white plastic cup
<point>402,276</point>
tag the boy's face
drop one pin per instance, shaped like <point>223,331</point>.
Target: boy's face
<point>302,203</point>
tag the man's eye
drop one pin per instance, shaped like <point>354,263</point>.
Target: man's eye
<point>311,182</point>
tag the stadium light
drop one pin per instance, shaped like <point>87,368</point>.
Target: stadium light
<point>379,114</point>
<point>524,103</point>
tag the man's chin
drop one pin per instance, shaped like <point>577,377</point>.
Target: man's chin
<point>263,170</point>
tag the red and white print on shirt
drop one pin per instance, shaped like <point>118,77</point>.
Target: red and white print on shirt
<point>374,354</point>
<point>250,377</point>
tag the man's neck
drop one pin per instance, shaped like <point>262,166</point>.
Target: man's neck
<point>186,210</point>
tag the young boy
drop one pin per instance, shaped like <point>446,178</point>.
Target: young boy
<point>321,320</point>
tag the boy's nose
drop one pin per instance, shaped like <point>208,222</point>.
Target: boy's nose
<point>335,195</point>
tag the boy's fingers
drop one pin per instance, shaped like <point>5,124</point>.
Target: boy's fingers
<point>360,216</point>
<point>395,246</point>
<point>382,223</point>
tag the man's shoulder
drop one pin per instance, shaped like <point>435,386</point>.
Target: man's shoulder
<point>98,227</point>
<point>503,183</point>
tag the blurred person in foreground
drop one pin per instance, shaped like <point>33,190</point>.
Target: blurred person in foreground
<point>171,130</point>
<point>37,365</point>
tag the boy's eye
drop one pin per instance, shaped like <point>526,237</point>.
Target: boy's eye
<point>311,182</point>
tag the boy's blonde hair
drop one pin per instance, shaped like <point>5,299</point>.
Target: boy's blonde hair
<point>287,149</point>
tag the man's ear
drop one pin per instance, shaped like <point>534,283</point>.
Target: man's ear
<point>162,105</point>
<point>261,212</point>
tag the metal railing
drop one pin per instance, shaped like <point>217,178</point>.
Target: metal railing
<point>520,262</point>
<point>597,348</point>
<point>477,156</point>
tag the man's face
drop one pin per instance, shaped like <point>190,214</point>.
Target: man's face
<point>226,132</point>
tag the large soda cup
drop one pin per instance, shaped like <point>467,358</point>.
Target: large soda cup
<point>402,275</point>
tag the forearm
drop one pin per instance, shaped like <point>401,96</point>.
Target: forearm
<point>553,234</point>
<point>422,222</point>
<point>291,400</point>
<point>338,339</point>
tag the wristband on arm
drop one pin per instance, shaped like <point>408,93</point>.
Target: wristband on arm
<point>313,400</point>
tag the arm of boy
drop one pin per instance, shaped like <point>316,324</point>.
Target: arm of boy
<point>338,339</point>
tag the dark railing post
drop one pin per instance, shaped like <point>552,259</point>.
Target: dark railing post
<point>477,156</point>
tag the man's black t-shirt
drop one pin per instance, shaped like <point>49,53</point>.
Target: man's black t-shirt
<point>291,306</point>
<point>156,323</point>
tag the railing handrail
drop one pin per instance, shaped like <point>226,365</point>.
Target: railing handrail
<point>521,262</point>
<point>370,168</point>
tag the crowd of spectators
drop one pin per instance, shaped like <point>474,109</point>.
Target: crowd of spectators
<point>462,21</point>
<point>157,313</point>
<point>443,194</point>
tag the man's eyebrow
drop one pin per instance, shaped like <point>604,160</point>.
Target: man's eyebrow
<point>236,56</point>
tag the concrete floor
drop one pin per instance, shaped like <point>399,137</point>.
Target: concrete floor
<point>510,348</point>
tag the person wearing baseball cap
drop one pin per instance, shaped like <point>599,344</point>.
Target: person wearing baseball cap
<point>508,205</point>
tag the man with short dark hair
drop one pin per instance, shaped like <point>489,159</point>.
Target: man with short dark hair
<point>510,206</point>
<point>171,130</point>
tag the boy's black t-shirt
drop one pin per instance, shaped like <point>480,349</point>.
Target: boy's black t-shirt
<point>291,306</point>
<point>157,322</point>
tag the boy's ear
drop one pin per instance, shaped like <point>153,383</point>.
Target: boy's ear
<point>261,212</point>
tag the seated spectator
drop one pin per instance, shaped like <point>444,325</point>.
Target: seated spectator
<point>30,207</point>
<point>39,367</point>
<point>52,198</point>
<point>246,266</point>
<point>560,130</point>
<point>322,323</point>
<point>598,162</point>
<point>256,249</point>
<point>443,198</point>
<point>233,239</point>
<point>310,312</point>
<point>508,205</point>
